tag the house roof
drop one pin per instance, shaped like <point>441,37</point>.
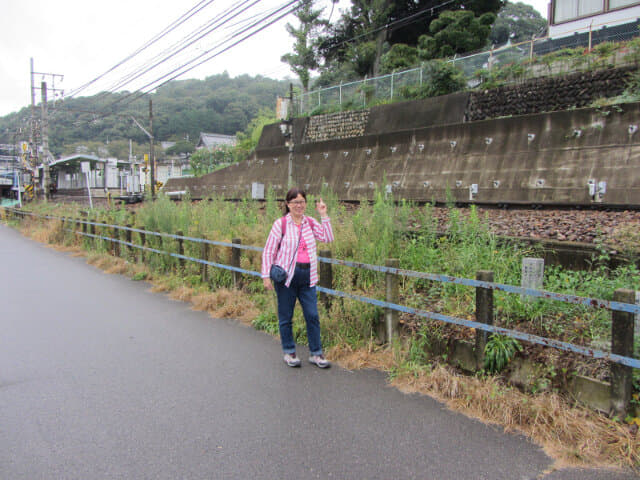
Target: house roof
<point>77,158</point>
<point>208,140</point>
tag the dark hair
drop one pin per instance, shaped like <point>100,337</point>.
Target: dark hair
<point>291,194</point>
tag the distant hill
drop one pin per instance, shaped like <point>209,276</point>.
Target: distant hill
<point>219,104</point>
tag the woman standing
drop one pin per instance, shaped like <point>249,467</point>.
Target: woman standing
<point>291,245</point>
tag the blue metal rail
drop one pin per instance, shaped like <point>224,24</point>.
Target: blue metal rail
<point>586,301</point>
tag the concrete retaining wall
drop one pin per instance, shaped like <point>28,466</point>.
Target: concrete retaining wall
<point>547,158</point>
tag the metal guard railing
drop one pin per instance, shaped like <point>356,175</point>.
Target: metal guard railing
<point>527,337</point>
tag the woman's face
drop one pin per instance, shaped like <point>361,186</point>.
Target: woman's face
<point>297,205</point>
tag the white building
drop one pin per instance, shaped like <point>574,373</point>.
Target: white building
<point>568,17</point>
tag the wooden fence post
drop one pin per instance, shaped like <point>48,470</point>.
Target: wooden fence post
<point>204,255</point>
<point>622,326</point>
<point>484,314</point>
<point>92,229</point>
<point>392,291</point>
<point>180,249</point>
<point>235,262</point>
<point>128,239</point>
<point>115,246</point>
<point>84,224</point>
<point>142,242</point>
<point>326,278</point>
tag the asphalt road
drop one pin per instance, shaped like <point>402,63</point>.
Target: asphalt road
<point>101,379</point>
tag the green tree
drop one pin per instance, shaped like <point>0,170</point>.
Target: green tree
<point>399,57</point>
<point>455,32</point>
<point>304,58</point>
<point>518,22</point>
<point>248,139</point>
<point>205,161</point>
<point>182,146</point>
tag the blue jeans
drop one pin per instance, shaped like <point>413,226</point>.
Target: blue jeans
<point>299,289</point>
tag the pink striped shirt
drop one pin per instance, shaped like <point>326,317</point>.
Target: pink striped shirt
<point>312,230</point>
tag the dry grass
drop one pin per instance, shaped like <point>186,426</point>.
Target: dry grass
<point>182,294</point>
<point>572,435</point>
<point>48,232</point>
<point>373,357</point>
<point>224,303</point>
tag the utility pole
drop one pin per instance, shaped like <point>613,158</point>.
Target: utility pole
<point>151,155</point>
<point>46,180</point>
<point>290,132</point>
<point>32,138</point>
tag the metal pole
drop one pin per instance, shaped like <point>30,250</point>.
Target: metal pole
<point>86,176</point>
<point>18,173</point>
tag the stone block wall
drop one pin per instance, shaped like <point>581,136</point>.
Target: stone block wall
<point>336,126</point>
<point>548,94</point>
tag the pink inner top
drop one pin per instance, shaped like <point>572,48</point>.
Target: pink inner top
<point>303,252</point>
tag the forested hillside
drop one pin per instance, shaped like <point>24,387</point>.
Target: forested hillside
<point>218,104</point>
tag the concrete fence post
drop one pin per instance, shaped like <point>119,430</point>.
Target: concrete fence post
<point>484,314</point>
<point>392,292</point>
<point>235,262</point>
<point>180,249</point>
<point>326,278</point>
<point>204,255</point>
<point>622,325</point>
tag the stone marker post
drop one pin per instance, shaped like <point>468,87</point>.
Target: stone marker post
<point>532,275</point>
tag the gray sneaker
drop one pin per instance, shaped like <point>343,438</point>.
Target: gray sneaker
<point>319,361</point>
<point>291,359</point>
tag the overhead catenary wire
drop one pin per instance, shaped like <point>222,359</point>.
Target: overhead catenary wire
<point>182,45</point>
<point>197,61</point>
<point>176,23</point>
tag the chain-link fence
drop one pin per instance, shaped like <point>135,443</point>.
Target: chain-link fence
<point>399,85</point>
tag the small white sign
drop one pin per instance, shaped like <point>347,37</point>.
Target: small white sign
<point>85,167</point>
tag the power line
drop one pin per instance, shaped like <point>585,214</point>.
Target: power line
<point>183,18</point>
<point>182,44</point>
<point>182,69</point>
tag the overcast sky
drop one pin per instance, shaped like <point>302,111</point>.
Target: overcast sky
<point>82,40</point>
